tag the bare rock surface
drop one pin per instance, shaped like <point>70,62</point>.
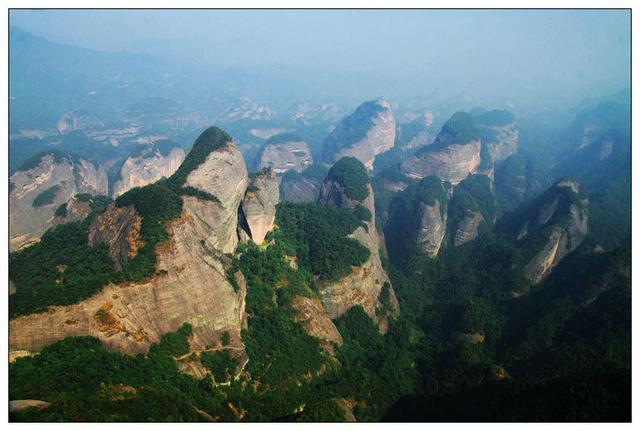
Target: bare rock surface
<point>364,285</point>
<point>224,175</point>
<point>62,177</point>
<point>561,216</point>
<point>285,152</point>
<point>190,286</point>
<point>369,131</point>
<point>119,228</point>
<point>259,204</point>
<point>142,170</point>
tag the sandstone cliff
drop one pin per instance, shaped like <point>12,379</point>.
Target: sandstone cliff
<point>191,280</point>
<point>119,228</point>
<point>556,225</point>
<point>499,132</point>
<point>365,284</point>
<point>418,218</point>
<point>302,187</point>
<point>284,152</point>
<point>369,131</point>
<point>147,168</point>
<point>455,153</point>
<point>45,183</point>
<point>259,204</point>
<point>224,175</point>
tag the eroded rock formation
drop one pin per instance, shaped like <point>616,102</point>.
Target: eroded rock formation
<point>369,131</point>
<point>37,190</point>
<point>259,204</point>
<point>146,169</point>
<point>284,152</point>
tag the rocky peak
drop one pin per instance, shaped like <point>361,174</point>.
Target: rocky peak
<point>41,185</point>
<point>216,166</point>
<point>455,153</point>
<point>499,132</point>
<point>284,152</point>
<point>259,204</point>
<point>147,165</point>
<point>369,131</point>
<point>347,186</point>
<point>551,227</point>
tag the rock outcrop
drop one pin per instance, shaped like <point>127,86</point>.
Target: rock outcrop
<point>499,132</point>
<point>455,153</point>
<point>299,188</point>
<point>191,283</point>
<point>41,186</point>
<point>313,317</point>
<point>72,210</point>
<point>259,204</point>
<point>472,204</point>
<point>224,175</point>
<point>365,283</point>
<point>119,228</point>
<point>146,168</point>
<point>369,131</point>
<point>418,218</point>
<point>559,221</point>
<point>284,152</point>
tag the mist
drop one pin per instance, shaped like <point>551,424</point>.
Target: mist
<point>499,57</point>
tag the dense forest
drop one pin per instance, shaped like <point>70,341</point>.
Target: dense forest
<point>475,340</point>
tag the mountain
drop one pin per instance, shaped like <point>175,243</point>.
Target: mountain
<point>283,152</point>
<point>347,186</point>
<point>455,153</point>
<point>550,227</point>
<point>369,131</point>
<point>147,164</point>
<point>41,186</point>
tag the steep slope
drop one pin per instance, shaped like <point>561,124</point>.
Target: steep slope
<point>148,165</point>
<point>499,132</point>
<point>302,187</point>
<point>550,227</point>
<point>455,153</point>
<point>347,186</point>
<point>130,315</point>
<point>259,204</point>
<point>418,219</point>
<point>283,152</point>
<point>369,131</point>
<point>43,184</point>
<point>472,206</point>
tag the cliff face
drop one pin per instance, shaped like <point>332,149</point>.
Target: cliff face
<point>119,228</point>
<point>130,316</point>
<point>364,285</point>
<point>451,163</point>
<point>259,204</point>
<point>146,169</point>
<point>299,188</point>
<point>285,152</point>
<point>558,220</point>
<point>418,218</point>
<point>190,283</point>
<point>499,131</point>
<point>430,225</point>
<point>467,228</point>
<point>369,131</point>
<point>36,193</point>
<point>224,175</point>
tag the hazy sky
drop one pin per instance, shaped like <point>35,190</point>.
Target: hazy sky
<point>570,50</point>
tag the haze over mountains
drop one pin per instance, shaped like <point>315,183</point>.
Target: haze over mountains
<point>192,244</point>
